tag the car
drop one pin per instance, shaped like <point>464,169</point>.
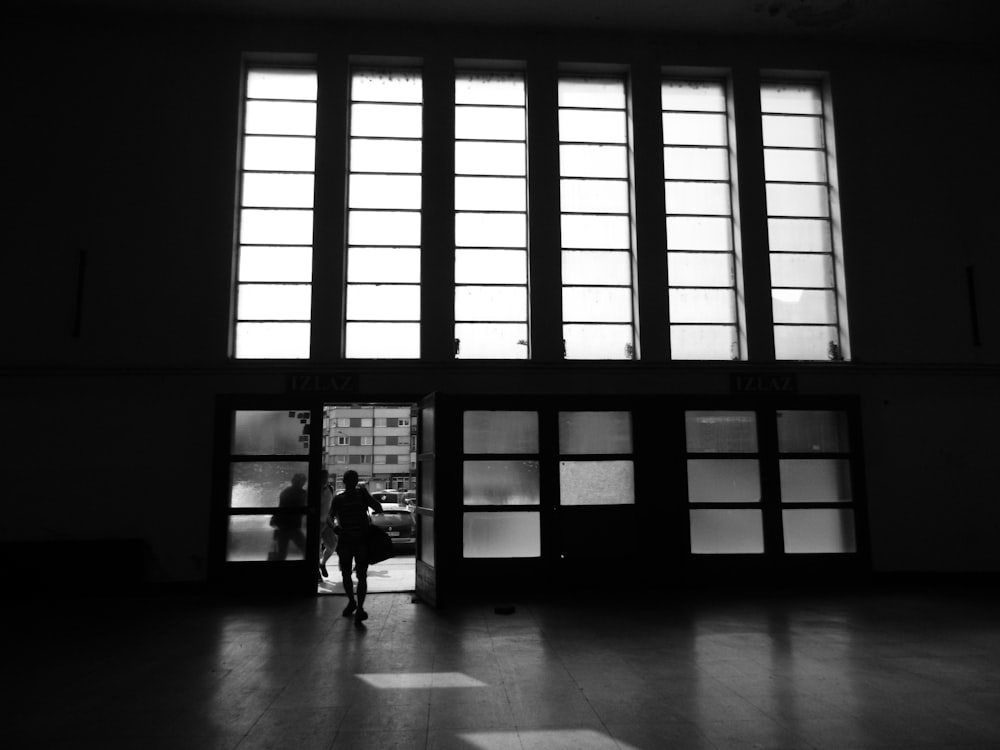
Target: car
<point>388,496</point>
<point>397,521</point>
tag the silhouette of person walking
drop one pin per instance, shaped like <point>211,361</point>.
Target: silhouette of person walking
<point>328,537</point>
<point>288,526</point>
<point>350,508</point>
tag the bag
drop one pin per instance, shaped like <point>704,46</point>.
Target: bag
<point>379,545</point>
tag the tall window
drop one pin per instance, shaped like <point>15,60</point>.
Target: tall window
<point>807,288</point>
<point>274,266</point>
<point>702,263</point>
<point>384,201</point>
<point>596,227</point>
<point>491,256</point>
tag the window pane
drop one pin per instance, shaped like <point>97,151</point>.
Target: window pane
<point>386,86</point>
<point>702,306</point>
<point>700,269</point>
<point>489,88</point>
<point>251,538</point>
<point>386,120</point>
<point>695,129</point>
<point>384,228</point>
<point>500,432</point>
<point>799,132</point>
<point>500,483</point>
<point>797,200</point>
<point>815,480</point>
<point>723,481</point>
<point>272,341</point>
<point>279,154</point>
<point>588,126</point>
<point>274,302</point>
<point>794,166</point>
<point>594,196</point>
<point>384,191</point>
<point>257,484</point>
<point>280,118</point>
<point>490,193</point>
<point>270,433</point>
<point>597,267</point>
<point>490,123</point>
<point>492,340</point>
<point>501,535</point>
<point>389,340</point>
<point>812,431</point>
<point>726,531</point>
<point>596,304</point>
<point>804,342</point>
<point>696,163</point>
<point>799,235</point>
<point>275,227</point>
<point>697,198</point>
<point>595,432</point>
<point>494,303</point>
<point>491,266</point>
<point>598,341</point>
<point>281,83</point>
<point>791,98</point>
<point>826,530</point>
<point>385,264</point>
<point>593,161</point>
<point>689,233</point>
<point>383,155</point>
<point>704,342</point>
<point>490,158</point>
<point>490,230</point>
<point>596,483</point>
<point>721,431</point>
<point>803,306</point>
<point>383,302</point>
<point>598,232</point>
<point>278,190</point>
<point>792,270</point>
<point>275,263</point>
<point>700,96</point>
<point>597,93</point>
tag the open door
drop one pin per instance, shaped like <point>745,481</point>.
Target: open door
<point>426,576</point>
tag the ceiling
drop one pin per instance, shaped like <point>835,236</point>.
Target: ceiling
<point>952,20</point>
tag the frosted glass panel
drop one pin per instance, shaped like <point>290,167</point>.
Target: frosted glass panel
<point>277,190</point>
<point>702,305</point>
<point>274,302</point>
<point>815,480</point>
<point>380,155</point>
<point>500,432</point>
<point>598,341</point>
<point>804,342</point>
<point>596,232</point>
<point>280,118</point>
<point>489,88</point>
<point>276,227</point>
<point>791,98</point>
<point>393,228</point>
<point>384,191</point>
<point>501,535</point>
<point>491,230</point>
<point>386,340</point>
<point>597,93</point>
<point>425,524</point>
<point>281,83</point>
<point>490,194</point>
<point>383,264</point>
<point>695,129</point>
<point>721,431</point>
<point>595,432</point>
<point>723,480</point>
<point>594,196</point>
<point>797,200</point>
<point>700,269</point>
<point>271,432</point>
<point>823,530</point>
<point>799,236</point>
<point>596,483</point>
<point>489,123</point>
<point>383,302</point>
<point>704,342</point>
<point>272,340</point>
<point>252,539</point>
<point>279,154</point>
<point>491,266</point>
<point>386,120</point>
<point>492,340</point>
<point>700,96</point>
<point>500,483</point>
<point>726,531</point>
<point>790,165</point>
<point>597,267</point>
<point>696,233</point>
<point>697,198</point>
<point>812,431</point>
<point>800,270</point>
<point>803,306</point>
<point>593,161</point>
<point>490,158</point>
<point>585,126</point>
<point>696,163</point>
<point>597,304</point>
<point>802,132</point>
<point>427,471</point>
<point>257,484</point>
<point>493,303</point>
<point>386,86</point>
<point>263,263</point>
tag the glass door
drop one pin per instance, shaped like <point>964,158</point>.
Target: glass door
<point>426,563</point>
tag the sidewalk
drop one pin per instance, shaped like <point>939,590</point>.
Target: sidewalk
<point>395,575</point>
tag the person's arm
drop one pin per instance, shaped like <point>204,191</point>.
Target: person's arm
<point>372,502</point>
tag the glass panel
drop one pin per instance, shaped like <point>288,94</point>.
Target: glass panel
<point>491,266</point>
<point>827,530</point>
<point>492,340</point>
<point>501,535</point>
<point>793,270</point>
<point>796,132</point>
<point>384,191</point>
<point>794,166</point>
<point>257,484</point>
<point>427,473</point>
<point>274,302</point>
<point>280,118</point>
<point>589,126</point>
<point>252,538</point>
<point>600,305</point>
<point>598,341</point>
<point>596,267</point>
<point>597,232</point>
<point>272,341</point>
<point>500,483</point>
<point>276,433</point>
<point>595,432</point>
<point>385,156</point>
<point>815,480</point>
<point>597,93</point>
<point>695,129</point>
<point>596,483</point>
<point>700,96</point>
<point>491,303</point>
<point>500,432</point>
<point>385,264</point>
<point>384,228</point>
<point>804,342</point>
<point>697,198</point>
<point>797,200</point>
<point>275,264</point>
<point>386,120</point>
<point>490,123</point>
<point>275,227</point>
<point>491,230</point>
<point>383,340</point>
<point>490,158</point>
<point>700,269</point>
<point>386,86</point>
<point>489,88</point>
<point>704,342</point>
<point>726,531</point>
<point>383,302</point>
<point>691,233</point>
<point>812,431</point>
<point>721,431</point>
<point>594,196</point>
<point>281,83</point>
<point>799,236</point>
<point>791,98</point>
<point>593,161</point>
<point>803,306</point>
<point>490,193</point>
<point>723,480</point>
<point>696,163</point>
<point>278,190</point>
<point>702,305</point>
<point>426,525</point>
<point>278,154</point>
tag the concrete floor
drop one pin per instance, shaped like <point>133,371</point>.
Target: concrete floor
<point>894,669</point>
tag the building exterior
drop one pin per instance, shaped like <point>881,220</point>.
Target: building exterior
<point>375,441</point>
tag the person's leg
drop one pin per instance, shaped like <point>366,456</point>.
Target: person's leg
<point>361,568</point>
<point>346,560</point>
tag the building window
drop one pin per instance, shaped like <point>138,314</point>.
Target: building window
<point>274,265</point>
<point>596,231</point>
<point>702,262</point>
<point>807,284</point>
<point>491,250</point>
<point>383,218</point>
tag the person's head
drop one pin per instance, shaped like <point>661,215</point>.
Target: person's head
<point>299,480</point>
<point>350,479</point>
